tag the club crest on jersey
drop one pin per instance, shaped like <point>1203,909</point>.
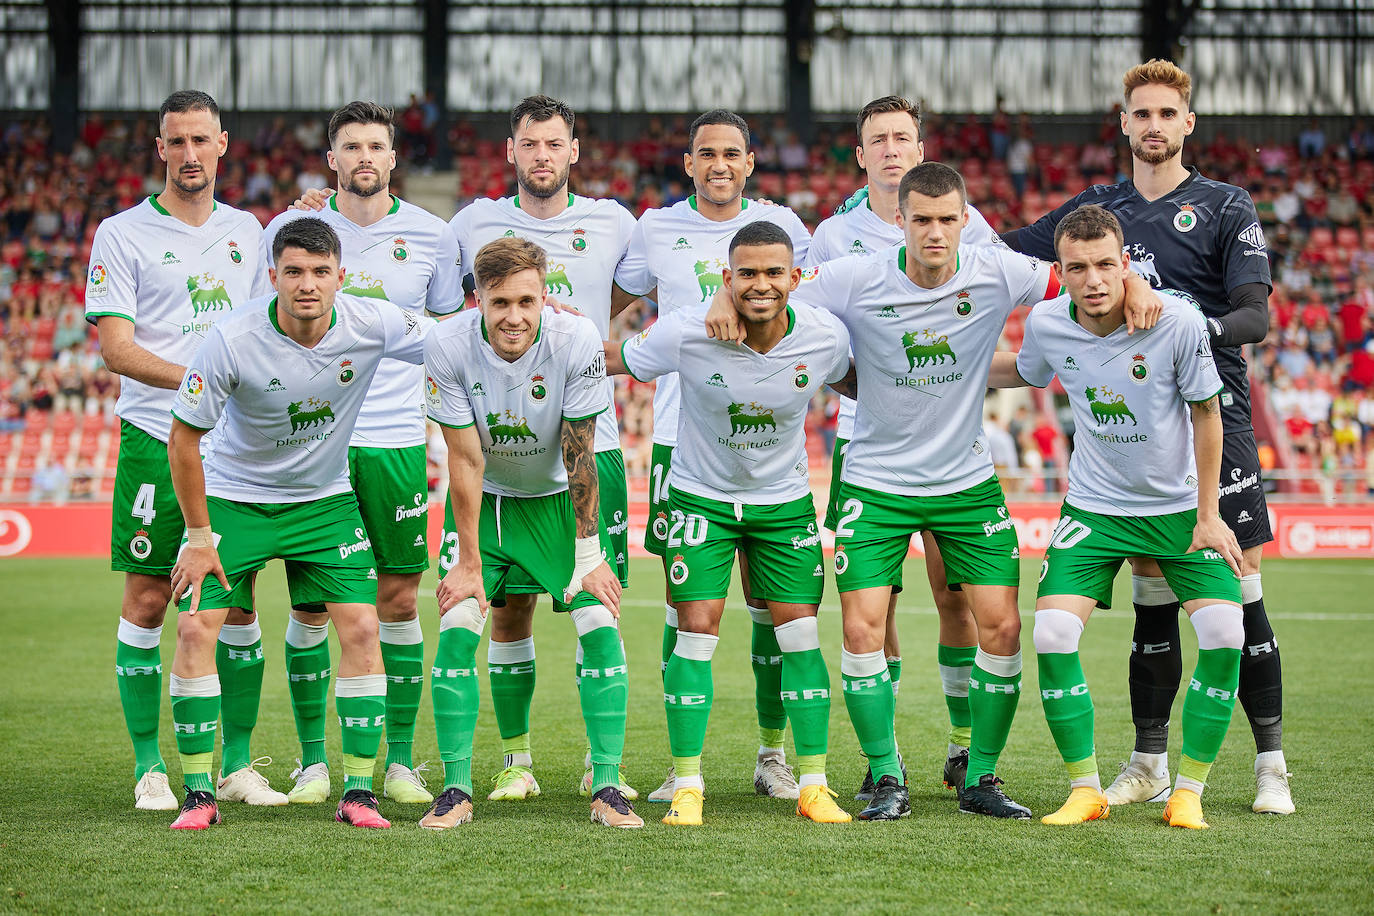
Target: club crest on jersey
<point>1111,408</point>
<point>925,349</point>
<point>801,379</point>
<point>346,373</point>
<point>362,283</point>
<point>141,546</point>
<point>963,304</point>
<point>741,422</point>
<point>1140,370</point>
<point>538,390</point>
<point>513,430</point>
<point>556,280</point>
<point>579,240</point>
<point>399,251</point>
<point>841,561</point>
<point>316,413</point>
<point>234,254</point>
<point>98,281</point>
<point>1185,219</point>
<point>717,381</point>
<point>678,572</point>
<point>207,294</point>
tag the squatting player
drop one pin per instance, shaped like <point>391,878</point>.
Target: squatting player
<point>282,382</point>
<point>1187,232</point>
<point>681,250</point>
<point>889,132</point>
<point>1141,489</point>
<point>584,239</point>
<point>739,482</point>
<point>396,251</point>
<point>518,388</point>
<point>161,274</point>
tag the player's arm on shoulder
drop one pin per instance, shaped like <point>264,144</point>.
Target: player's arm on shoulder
<point>621,300</point>
<point>1037,239</point>
<point>1248,320</point>
<point>1210,531</point>
<point>124,357</point>
<point>1142,305</point>
<point>1003,373</point>
<point>313,200</point>
<point>1027,366</point>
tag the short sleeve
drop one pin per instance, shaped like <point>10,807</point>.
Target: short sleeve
<point>978,231</point>
<point>211,376</point>
<point>801,237</point>
<point>821,247</point>
<point>1029,280</point>
<point>459,228</point>
<point>445,293</point>
<point>585,389</point>
<point>1194,366</point>
<point>111,280</point>
<point>405,333</point>
<point>656,350</point>
<point>829,286</point>
<point>1037,239</point>
<point>634,274</point>
<point>446,396</point>
<point>839,360</point>
<point>1244,258</point>
<point>1031,363</point>
<point>262,283</point>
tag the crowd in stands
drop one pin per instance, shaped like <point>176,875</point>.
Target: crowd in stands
<point>1315,198</point>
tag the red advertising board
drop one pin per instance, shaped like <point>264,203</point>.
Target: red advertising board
<point>1300,530</point>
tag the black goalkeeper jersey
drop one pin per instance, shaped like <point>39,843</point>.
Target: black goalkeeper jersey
<point>1203,239</point>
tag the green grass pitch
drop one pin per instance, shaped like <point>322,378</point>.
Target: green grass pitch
<point>70,840</point>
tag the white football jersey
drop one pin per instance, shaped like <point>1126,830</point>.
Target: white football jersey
<point>1133,434</point>
<point>409,258</point>
<point>922,357</point>
<point>742,424</point>
<point>683,253</point>
<point>283,413</point>
<point>173,281</point>
<point>519,407</point>
<point>584,244</point>
<point>861,231</point>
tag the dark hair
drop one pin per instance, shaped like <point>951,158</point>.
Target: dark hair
<point>308,234</point>
<point>931,179</point>
<point>506,257</point>
<point>362,113</point>
<point>717,116</point>
<point>1088,224</point>
<point>885,105</point>
<point>540,108</point>
<point>761,232</point>
<point>184,100</point>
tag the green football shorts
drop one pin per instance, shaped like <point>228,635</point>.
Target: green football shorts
<point>146,524</point>
<point>832,503</point>
<point>392,486</point>
<point>656,531</point>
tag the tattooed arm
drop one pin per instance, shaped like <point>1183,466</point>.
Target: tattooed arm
<point>1211,532</point>
<point>591,573</point>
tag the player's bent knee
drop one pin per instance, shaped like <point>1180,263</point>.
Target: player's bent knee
<point>310,618</point>
<point>591,617</point>
<point>1056,631</point>
<point>466,614</point>
<point>1152,591</point>
<point>698,647</point>
<point>1219,626</point>
<point>761,615</point>
<point>240,617</point>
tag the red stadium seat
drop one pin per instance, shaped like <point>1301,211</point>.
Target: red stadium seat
<point>36,419</point>
<point>21,485</point>
<point>1348,237</point>
<point>1320,237</point>
<point>63,421</point>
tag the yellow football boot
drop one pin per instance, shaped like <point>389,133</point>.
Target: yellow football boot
<point>1084,804</point>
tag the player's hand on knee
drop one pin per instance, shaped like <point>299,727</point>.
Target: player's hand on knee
<point>314,199</point>
<point>1212,533</point>
<point>722,321</point>
<point>602,584</point>
<point>458,583</point>
<point>188,575</point>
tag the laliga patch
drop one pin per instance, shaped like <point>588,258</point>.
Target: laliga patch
<point>432,400</point>
<point>192,389</point>
<point>98,281</point>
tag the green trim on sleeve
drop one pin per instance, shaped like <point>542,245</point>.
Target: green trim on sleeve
<point>451,425</point>
<point>630,372</point>
<point>202,429</point>
<point>587,417</point>
<point>128,318</point>
<point>1209,397</point>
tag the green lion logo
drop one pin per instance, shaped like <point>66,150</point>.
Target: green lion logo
<point>362,283</point>
<point>557,279</point>
<point>207,294</point>
<point>926,349</point>
<point>741,422</point>
<point>318,414</point>
<point>1112,407</point>
<point>515,430</point>
<point>708,281</point>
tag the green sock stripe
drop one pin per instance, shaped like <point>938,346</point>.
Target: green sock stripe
<point>688,693</point>
<point>458,774</point>
<point>955,656</point>
<point>960,719</point>
<point>455,693</point>
<point>1068,704</point>
<point>517,744</point>
<point>405,683</point>
<point>870,704</point>
<point>240,676</point>
<point>603,686</point>
<point>512,693</point>
<point>138,673</point>
<point>687,766</point>
<point>307,677</point>
<point>1081,769</point>
<point>603,775</point>
<point>1194,769</point>
<point>772,737</point>
<point>765,657</point>
<point>196,719</point>
<point>810,764</point>
<point>1208,703</point>
<point>960,735</point>
<point>806,697</point>
<point>992,706</point>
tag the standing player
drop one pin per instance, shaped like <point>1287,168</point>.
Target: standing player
<point>584,239</point>
<point>284,380</point>
<point>1190,233</point>
<point>682,251</point>
<point>739,482</point>
<point>889,131</point>
<point>161,274</point>
<point>1134,490</point>
<point>396,251</point>
<point>507,382</point>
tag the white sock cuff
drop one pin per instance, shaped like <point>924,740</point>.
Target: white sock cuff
<point>1219,626</point>
<point>363,685</point>
<point>510,653</point>
<point>400,632</point>
<point>1250,589</point>
<point>304,635</point>
<point>800,635</point>
<point>244,634</point>
<point>207,686</point>
<point>954,680</point>
<point>1151,591</point>
<point>760,615</point>
<point>1056,631</point>
<point>697,647</point>
<point>464,614</point>
<point>591,617</point>
<point>670,616</point>
<point>867,664</point>
<point>131,634</point>
<point>1000,665</point>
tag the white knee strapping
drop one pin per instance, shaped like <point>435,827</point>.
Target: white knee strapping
<point>1000,665</point>
<point>697,647</point>
<point>1251,589</point>
<point>400,632</point>
<point>303,635</point>
<point>363,685</point>
<point>240,635</point>
<point>465,614</point>
<point>761,615</point>
<point>207,686</point>
<point>131,634</point>
<point>1151,591</point>
<point>670,615</point>
<point>591,617</point>
<point>510,653</point>
<point>867,664</point>
<point>1056,631</point>
<point>1219,626</point>
<point>800,635</point>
